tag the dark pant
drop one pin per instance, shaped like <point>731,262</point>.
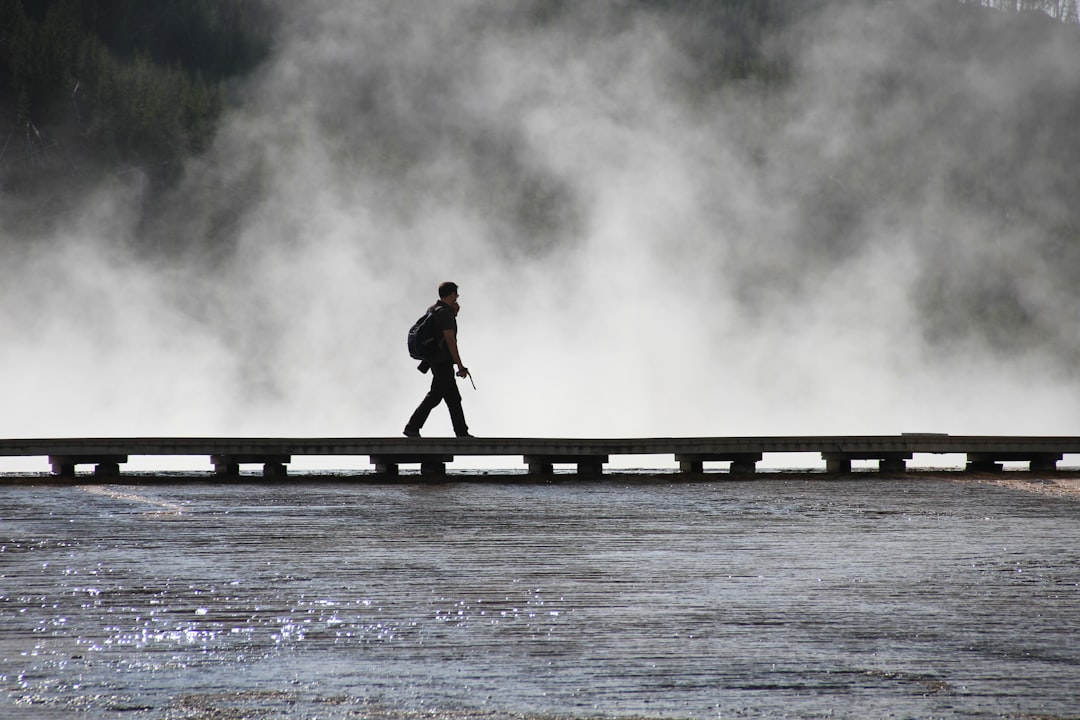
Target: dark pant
<point>443,387</point>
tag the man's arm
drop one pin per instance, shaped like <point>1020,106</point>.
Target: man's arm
<point>455,356</point>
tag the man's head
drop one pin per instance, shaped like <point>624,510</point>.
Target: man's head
<point>448,291</point>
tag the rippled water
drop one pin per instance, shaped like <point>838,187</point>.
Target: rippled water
<point>632,596</point>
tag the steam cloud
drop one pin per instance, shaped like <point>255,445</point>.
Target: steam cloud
<point>641,251</point>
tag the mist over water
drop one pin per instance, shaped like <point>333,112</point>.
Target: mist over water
<point>641,251</point>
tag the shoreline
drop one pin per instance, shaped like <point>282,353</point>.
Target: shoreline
<point>1061,483</point>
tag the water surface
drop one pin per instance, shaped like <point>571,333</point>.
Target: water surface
<point>778,598</point>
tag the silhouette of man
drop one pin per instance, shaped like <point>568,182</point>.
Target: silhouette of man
<point>443,384</point>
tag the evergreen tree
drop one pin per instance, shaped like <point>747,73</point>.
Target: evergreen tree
<point>121,80</point>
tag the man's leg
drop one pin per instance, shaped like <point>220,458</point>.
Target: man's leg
<point>432,399</point>
<point>457,416</point>
<point>448,389</point>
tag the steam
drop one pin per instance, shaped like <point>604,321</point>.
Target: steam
<point>640,251</point>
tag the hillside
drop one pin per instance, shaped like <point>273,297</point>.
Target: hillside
<point>92,87</point>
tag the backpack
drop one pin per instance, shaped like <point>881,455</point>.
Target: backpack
<point>423,339</point>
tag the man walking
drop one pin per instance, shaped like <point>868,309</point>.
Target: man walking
<point>443,384</point>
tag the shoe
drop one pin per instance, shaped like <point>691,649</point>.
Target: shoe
<point>464,435</point>
<point>409,432</point>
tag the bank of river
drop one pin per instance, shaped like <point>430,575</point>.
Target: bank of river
<point>796,597</point>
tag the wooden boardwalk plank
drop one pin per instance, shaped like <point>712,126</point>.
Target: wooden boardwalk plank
<point>590,454</point>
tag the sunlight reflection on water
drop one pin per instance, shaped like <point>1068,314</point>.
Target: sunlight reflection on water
<point>797,597</point>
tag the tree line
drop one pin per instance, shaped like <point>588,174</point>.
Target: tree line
<point>107,85</point>
<point>120,81</point>
<point>134,82</point>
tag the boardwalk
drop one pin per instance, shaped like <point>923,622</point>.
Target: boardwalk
<point>542,455</point>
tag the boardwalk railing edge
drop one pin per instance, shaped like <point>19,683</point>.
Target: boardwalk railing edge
<point>590,455</point>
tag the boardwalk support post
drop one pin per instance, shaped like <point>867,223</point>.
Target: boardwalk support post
<point>104,465</point>
<point>433,468</point>
<point>593,465</point>
<point>741,463</point>
<point>434,465</point>
<point>980,463</point>
<point>991,461</point>
<point>108,468</point>
<point>836,462</point>
<point>586,464</point>
<point>539,465</point>
<point>225,466</point>
<point>62,466</point>
<point>275,467</point>
<point>383,466</point>
<point>1045,463</point>
<point>893,464</point>
<point>275,470</point>
<point>839,461</point>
